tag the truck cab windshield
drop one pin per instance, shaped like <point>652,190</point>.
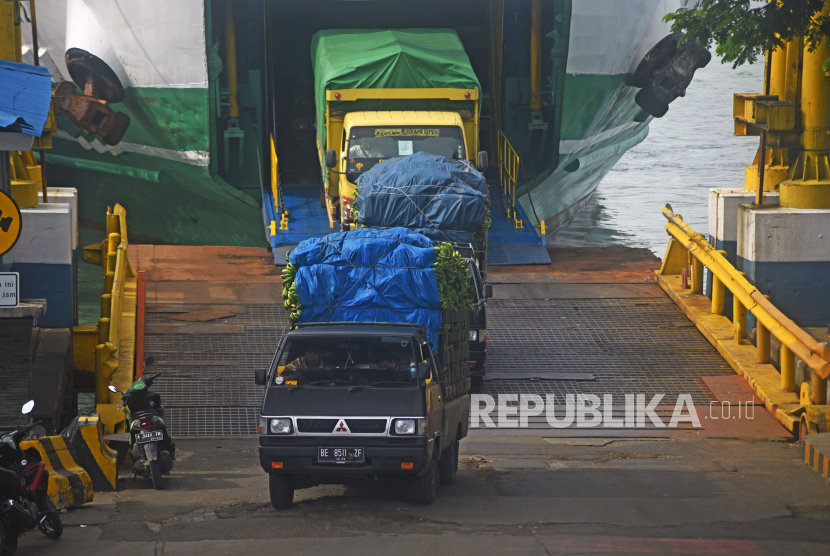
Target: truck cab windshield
<point>371,145</point>
<point>341,361</point>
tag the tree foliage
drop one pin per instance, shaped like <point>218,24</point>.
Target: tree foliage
<point>743,30</point>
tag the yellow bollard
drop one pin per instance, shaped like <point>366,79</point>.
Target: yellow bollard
<point>761,342</point>
<point>787,369</point>
<point>103,330</point>
<point>106,305</point>
<point>697,275</point>
<point>718,294</point>
<point>109,278</point>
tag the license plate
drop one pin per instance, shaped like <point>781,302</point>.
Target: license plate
<point>340,455</point>
<point>151,436</point>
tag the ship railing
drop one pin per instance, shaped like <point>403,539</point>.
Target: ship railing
<point>276,192</point>
<point>508,176</point>
<point>688,253</point>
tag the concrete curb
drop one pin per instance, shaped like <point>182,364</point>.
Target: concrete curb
<point>69,484</point>
<point>817,452</point>
<point>764,379</point>
<point>86,441</point>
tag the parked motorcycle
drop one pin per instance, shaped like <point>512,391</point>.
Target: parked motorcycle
<point>24,503</point>
<point>152,448</point>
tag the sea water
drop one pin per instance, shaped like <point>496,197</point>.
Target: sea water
<point>687,152</point>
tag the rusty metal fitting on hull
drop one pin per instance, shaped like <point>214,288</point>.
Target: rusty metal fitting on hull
<point>94,116</point>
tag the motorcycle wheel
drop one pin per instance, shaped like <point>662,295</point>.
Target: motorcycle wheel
<point>51,526</point>
<point>155,474</point>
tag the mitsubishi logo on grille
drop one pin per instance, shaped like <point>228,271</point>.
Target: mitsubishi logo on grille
<point>341,426</point>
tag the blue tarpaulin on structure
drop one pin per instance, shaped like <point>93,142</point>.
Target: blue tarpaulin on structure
<point>368,275</point>
<point>423,192</point>
<point>25,96</point>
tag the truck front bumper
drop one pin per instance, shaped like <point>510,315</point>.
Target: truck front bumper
<point>385,460</point>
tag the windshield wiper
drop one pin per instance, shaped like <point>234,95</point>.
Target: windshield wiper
<point>294,388</point>
<point>356,388</point>
<point>390,382</point>
<point>329,382</point>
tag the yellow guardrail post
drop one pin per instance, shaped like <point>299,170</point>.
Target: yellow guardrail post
<point>718,295</point>
<point>738,319</point>
<point>697,276</point>
<point>762,342</point>
<point>787,369</point>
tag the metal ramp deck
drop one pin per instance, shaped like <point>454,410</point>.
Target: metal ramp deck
<point>508,245</point>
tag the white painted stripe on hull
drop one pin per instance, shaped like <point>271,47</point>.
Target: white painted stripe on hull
<point>195,158</point>
<point>610,37</point>
<point>569,146</point>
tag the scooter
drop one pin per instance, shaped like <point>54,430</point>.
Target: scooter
<point>152,448</point>
<point>24,503</point>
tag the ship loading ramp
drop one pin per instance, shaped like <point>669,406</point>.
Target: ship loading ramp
<point>294,205</point>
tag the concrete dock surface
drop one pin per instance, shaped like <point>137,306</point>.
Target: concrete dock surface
<point>514,495</point>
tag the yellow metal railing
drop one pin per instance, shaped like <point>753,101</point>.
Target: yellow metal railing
<point>508,176</point>
<point>689,252</point>
<point>117,271</point>
<point>279,204</point>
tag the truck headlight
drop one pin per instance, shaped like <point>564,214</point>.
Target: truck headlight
<point>404,426</point>
<point>473,335</point>
<point>281,426</point>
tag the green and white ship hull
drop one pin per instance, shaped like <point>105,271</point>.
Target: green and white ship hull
<point>183,182</point>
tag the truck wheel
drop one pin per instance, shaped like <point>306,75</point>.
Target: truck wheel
<point>282,493</point>
<point>448,465</point>
<point>426,486</point>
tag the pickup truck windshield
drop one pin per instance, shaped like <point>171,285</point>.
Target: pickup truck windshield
<point>342,361</point>
<point>371,145</point>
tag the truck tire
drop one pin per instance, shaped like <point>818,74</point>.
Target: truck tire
<point>426,486</point>
<point>448,464</point>
<point>281,490</point>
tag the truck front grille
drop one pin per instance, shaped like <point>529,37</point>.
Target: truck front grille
<point>364,426</point>
<point>316,425</point>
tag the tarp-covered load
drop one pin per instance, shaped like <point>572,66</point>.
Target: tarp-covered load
<point>368,276</point>
<point>443,198</point>
<point>373,275</point>
<point>389,59</point>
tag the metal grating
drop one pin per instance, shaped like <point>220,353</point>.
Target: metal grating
<point>212,421</point>
<point>629,345</point>
<point>637,346</point>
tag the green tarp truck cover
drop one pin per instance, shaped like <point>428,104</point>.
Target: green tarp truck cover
<point>389,59</point>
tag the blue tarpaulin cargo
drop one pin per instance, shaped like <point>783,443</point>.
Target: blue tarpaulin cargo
<point>442,197</point>
<point>369,275</point>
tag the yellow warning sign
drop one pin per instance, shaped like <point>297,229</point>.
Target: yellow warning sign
<point>9,223</point>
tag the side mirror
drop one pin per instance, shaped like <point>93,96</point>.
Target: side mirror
<point>423,371</point>
<point>331,158</point>
<point>149,361</point>
<point>488,291</point>
<point>260,376</point>
<point>112,389</point>
<point>482,161</point>
<point>28,407</point>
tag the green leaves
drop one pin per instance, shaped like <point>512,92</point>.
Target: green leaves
<point>451,275</point>
<point>742,30</point>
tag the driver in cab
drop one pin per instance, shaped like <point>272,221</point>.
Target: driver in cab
<point>311,367</point>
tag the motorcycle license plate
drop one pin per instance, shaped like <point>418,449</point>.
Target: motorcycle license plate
<point>150,436</point>
<point>340,455</point>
